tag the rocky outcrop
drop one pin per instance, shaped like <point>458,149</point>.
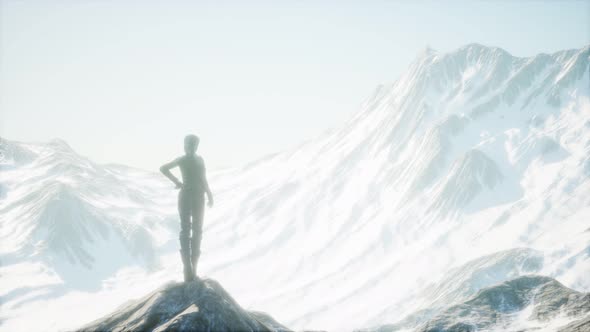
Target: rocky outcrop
<point>200,305</point>
<point>496,306</point>
<point>536,299</point>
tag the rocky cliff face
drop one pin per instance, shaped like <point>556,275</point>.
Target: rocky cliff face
<point>200,305</point>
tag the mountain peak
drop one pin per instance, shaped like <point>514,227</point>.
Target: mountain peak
<point>479,51</point>
<point>60,145</point>
<point>481,47</point>
<point>427,51</point>
<point>199,305</point>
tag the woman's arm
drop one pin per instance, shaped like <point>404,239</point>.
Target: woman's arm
<point>206,187</point>
<point>165,169</point>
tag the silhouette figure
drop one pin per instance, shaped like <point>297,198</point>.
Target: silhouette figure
<point>191,202</point>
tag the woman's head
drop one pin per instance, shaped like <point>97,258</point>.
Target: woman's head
<point>191,143</point>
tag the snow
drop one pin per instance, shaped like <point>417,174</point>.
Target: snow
<point>345,231</point>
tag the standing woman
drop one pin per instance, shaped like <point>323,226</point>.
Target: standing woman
<point>191,202</point>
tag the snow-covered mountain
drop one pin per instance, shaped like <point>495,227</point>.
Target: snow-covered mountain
<point>471,169</point>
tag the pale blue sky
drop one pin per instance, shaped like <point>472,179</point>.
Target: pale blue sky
<point>124,81</point>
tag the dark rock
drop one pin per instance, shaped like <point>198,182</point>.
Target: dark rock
<point>200,305</point>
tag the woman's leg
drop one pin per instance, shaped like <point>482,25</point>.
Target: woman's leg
<point>197,226</point>
<point>184,211</point>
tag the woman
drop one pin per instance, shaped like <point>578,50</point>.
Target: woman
<point>191,202</point>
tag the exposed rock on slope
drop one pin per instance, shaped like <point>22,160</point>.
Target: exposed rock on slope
<point>201,305</point>
<point>522,304</point>
<point>463,282</point>
<point>579,325</point>
<point>468,176</point>
<point>500,306</point>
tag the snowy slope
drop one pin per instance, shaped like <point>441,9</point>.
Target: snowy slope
<point>468,155</point>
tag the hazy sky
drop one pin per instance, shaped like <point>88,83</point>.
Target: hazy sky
<point>124,81</point>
